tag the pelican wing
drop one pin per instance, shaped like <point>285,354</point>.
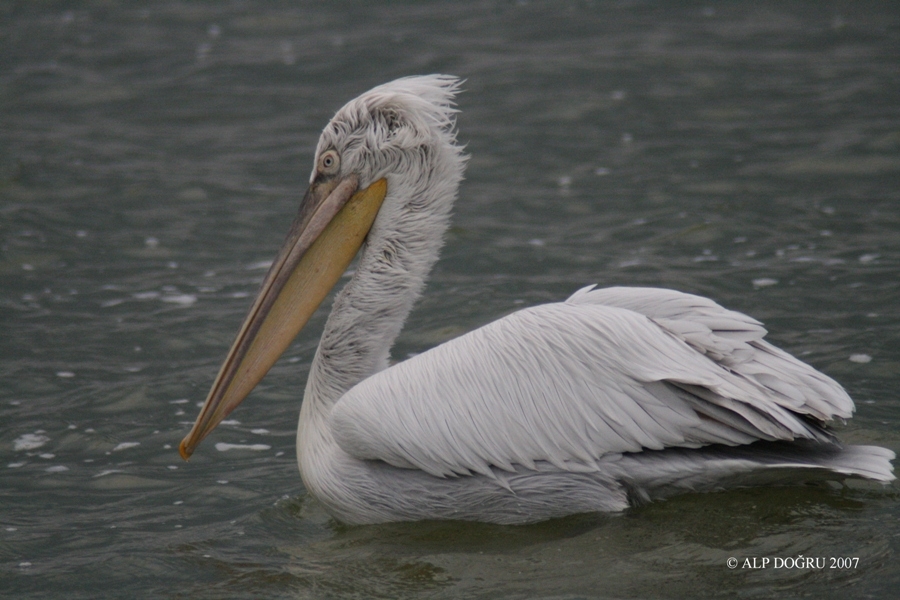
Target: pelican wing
<point>608,371</point>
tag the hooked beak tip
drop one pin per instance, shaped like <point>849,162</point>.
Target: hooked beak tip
<point>184,451</point>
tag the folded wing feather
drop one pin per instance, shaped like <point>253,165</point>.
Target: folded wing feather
<point>608,371</point>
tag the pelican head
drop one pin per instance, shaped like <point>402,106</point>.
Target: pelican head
<point>386,167</point>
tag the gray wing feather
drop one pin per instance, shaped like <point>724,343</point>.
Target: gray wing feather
<point>608,371</point>
<point>734,340</point>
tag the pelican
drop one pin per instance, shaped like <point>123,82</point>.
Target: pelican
<point>610,398</point>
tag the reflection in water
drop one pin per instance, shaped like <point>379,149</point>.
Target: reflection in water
<point>681,544</point>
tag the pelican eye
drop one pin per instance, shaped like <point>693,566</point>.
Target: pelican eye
<point>329,162</point>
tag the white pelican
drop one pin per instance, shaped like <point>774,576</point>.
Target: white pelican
<point>613,396</point>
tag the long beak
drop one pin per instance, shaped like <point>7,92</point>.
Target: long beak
<point>332,225</point>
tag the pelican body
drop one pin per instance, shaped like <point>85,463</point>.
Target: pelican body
<point>611,397</point>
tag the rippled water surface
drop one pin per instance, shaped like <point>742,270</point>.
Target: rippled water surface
<point>152,155</point>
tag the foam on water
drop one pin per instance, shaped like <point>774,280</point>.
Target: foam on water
<point>225,447</point>
<point>29,441</point>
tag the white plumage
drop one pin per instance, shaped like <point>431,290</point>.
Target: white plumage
<point>613,396</point>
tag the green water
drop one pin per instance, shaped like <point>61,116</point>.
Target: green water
<point>152,155</point>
